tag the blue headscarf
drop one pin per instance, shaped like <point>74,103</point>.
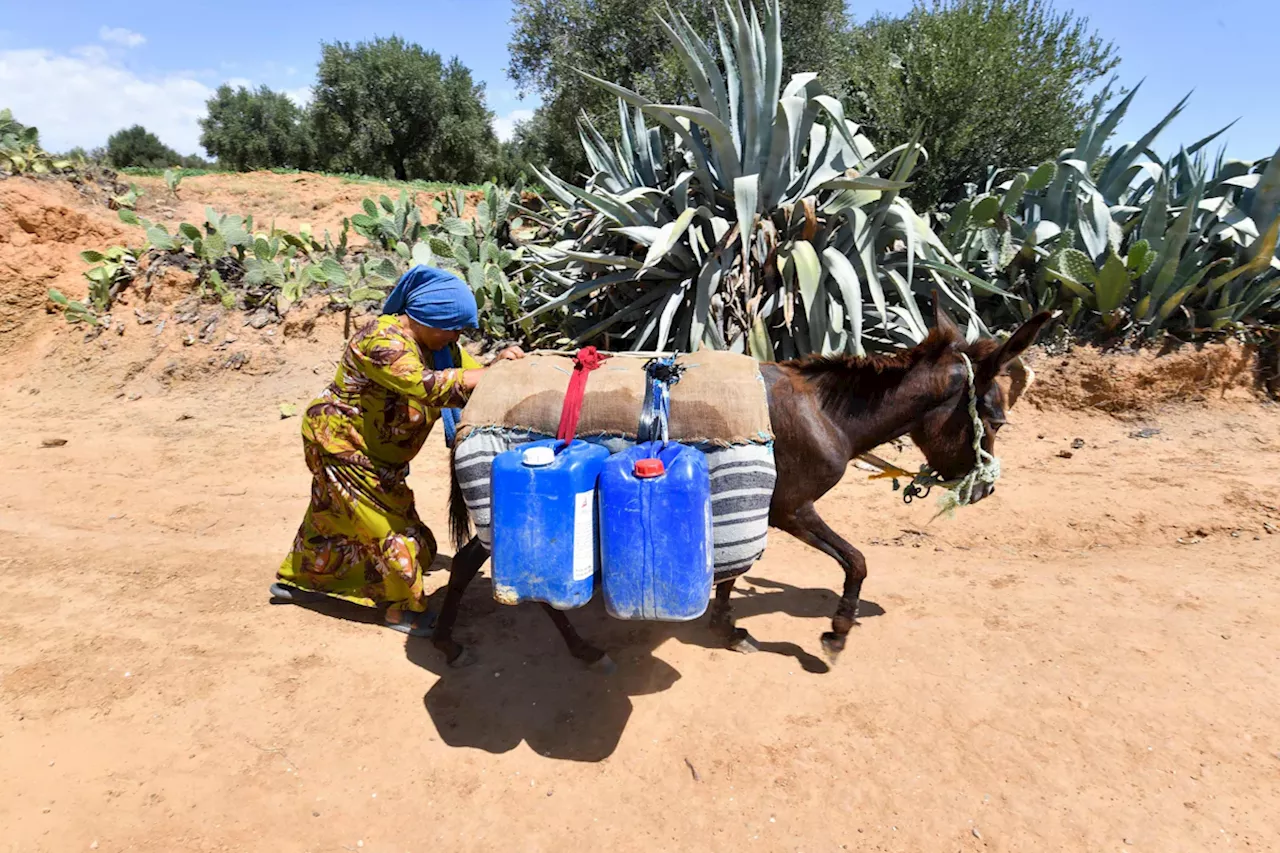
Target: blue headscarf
<point>440,300</point>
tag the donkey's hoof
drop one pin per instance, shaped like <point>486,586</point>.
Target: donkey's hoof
<point>603,665</point>
<point>742,642</point>
<point>833,645</point>
<point>463,659</point>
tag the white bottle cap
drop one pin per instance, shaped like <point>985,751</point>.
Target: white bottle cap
<point>536,457</point>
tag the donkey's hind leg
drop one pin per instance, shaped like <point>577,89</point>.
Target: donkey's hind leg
<point>806,525</point>
<point>595,659</point>
<point>722,625</point>
<point>466,563</point>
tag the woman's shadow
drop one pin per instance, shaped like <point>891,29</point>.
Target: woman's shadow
<point>527,687</point>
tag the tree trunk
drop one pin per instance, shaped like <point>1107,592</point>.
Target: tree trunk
<point>402,174</point>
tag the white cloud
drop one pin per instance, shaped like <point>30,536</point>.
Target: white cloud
<point>300,96</point>
<point>83,97</point>
<point>121,36</point>
<point>505,126</point>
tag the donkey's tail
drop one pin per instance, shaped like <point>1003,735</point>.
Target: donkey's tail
<point>459,517</point>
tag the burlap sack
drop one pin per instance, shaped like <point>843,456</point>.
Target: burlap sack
<point>720,398</point>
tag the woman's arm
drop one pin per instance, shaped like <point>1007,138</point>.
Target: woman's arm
<point>393,361</point>
<point>472,375</point>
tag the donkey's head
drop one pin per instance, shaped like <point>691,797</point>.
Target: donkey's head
<point>945,433</point>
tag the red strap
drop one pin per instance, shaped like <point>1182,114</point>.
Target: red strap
<point>587,360</point>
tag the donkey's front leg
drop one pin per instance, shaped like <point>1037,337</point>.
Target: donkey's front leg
<point>806,525</point>
<point>595,659</point>
<point>722,625</point>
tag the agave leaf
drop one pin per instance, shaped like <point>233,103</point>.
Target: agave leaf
<point>645,235</point>
<point>1265,205</point>
<point>809,278</point>
<point>746,201</point>
<point>1263,252</point>
<point>621,91</point>
<point>666,315</point>
<point>1096,135</point>
<point>976,282</point>
<point>615,210</point>
<point>1042,232</point>
<point>1113,285</point>
<point>1166,264</point>
<point>864,182</point>
<point>758,341</point>
<point>669,235</point>
<point>1095,224</point>
<point>1108,182</point>
<point>846,278</point>
<point>709,278</point>
<point>1155,220</point>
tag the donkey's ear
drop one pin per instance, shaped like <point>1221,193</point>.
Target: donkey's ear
<point>1017,344</point>
<point>942,320</point>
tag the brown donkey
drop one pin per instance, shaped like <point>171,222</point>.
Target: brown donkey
<point>825,413</point>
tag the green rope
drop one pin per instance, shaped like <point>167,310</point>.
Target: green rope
<point>986,467</point>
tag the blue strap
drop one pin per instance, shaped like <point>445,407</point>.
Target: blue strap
<point>655,413</point>
<point>443,360</point>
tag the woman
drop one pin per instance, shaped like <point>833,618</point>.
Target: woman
<point>361,539</point>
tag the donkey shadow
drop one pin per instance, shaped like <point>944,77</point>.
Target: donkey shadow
<point>526,687</point>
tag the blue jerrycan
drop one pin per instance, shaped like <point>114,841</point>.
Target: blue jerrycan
<point>656,549</point>
<point>544,523</point>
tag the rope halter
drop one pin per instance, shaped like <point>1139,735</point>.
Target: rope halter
<point>960,492</point>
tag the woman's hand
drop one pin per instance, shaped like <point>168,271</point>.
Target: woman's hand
<point>511,353</point>
<point>472,376</point>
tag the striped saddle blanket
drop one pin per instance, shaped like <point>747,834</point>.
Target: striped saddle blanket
<point>742,480</point>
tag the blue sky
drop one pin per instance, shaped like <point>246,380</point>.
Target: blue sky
<point>149,63</point>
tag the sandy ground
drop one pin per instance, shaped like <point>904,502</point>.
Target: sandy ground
<point>1085,661</point>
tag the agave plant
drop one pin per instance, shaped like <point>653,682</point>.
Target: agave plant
<point>760,220</point>
<point>1185,233</point>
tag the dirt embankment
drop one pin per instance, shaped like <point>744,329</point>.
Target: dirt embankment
<point>44,225</point>
<point>288,201</point>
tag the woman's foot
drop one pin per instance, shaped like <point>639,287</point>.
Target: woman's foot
<point>284,594</point>
<point>411,623</point>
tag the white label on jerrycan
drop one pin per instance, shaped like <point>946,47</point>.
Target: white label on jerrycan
<point>584,536</point>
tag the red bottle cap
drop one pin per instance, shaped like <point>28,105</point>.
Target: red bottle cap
<point>648,468</point>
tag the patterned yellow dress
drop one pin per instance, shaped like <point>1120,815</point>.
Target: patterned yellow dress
<point>361,539</point>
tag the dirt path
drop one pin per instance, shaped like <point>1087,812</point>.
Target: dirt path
<point>1051,670</point>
